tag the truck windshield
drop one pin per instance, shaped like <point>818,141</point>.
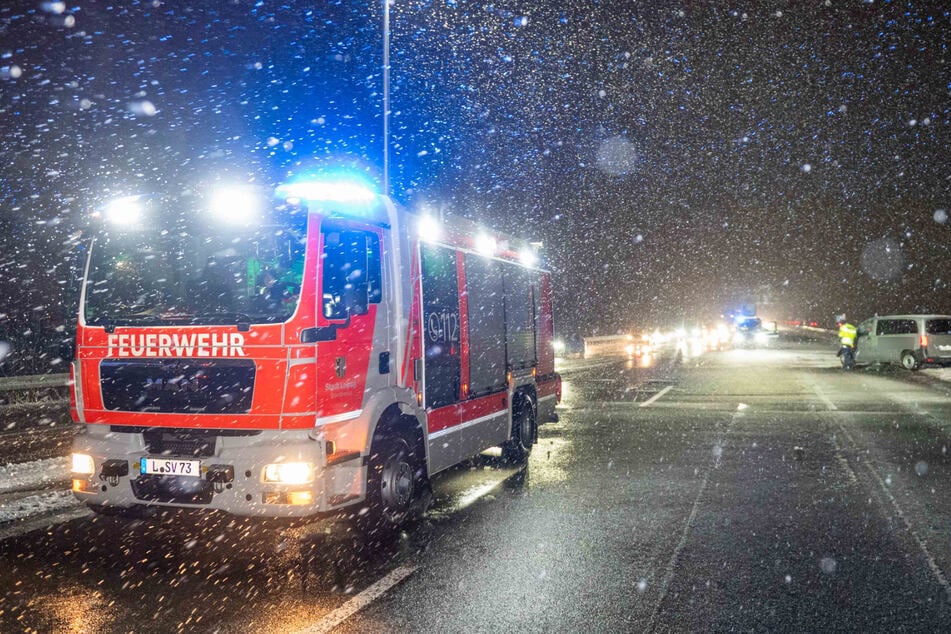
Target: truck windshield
<point>195,275</point>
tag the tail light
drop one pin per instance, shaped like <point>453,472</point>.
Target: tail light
<point>923,340</point>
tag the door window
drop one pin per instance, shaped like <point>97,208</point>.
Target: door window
<point>350,272</point>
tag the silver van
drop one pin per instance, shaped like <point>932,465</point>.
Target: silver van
<point>911,340</point>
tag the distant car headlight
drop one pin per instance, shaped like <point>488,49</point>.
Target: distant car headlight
<point>289,473</point>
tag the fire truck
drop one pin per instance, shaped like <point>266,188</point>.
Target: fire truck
<point>311,350</point>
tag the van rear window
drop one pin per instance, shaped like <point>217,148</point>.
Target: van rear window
<point>897,327</point>
<point>938,326</point>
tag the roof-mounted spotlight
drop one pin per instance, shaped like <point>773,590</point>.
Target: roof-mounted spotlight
<point>235,205</point>
<point>486,244</point>
<point>528,257</point>
<point>430,230</point>
<point>125,212</point>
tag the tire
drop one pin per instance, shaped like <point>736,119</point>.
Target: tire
<point>524,426</point>
<point>394,479</point>
<point>909,361</point>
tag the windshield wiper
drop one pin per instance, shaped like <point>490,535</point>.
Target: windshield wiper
<point>241,320</point>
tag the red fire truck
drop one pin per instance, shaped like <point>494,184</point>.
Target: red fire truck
<point>299,353</point>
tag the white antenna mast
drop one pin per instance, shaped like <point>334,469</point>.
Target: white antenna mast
<point>386,97</point>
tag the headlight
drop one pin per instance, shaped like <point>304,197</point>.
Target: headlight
<point>289,473</point>
<point>84,464</point>
<point>761,337</point>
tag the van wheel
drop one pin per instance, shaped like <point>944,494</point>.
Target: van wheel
<point>908,360</point>
<point>519,446</point>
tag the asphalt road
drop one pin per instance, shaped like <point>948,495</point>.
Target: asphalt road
<point>747,490</point>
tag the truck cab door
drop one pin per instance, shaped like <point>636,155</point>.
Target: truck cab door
<point>349,295</point>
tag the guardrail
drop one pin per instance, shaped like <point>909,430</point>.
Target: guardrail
<point>606,345</point>
<point>33,381</point>
<point>31,401</point>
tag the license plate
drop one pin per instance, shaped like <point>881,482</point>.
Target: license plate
<point>169,466</point>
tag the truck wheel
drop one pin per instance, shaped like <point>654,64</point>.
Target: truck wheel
<point>519,446</point>
<point>394,478</point>
<point>908,360</point>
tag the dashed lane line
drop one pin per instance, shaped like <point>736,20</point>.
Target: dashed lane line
<point>360,601</point>
<point>657,396</point>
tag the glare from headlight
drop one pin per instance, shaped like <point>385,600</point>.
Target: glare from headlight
<point>289,473</point>
<point>83,463</point>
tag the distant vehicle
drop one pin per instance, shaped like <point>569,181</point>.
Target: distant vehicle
<point>913,341</point>
<point>750,331</point>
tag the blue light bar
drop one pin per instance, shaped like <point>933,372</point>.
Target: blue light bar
<point>327,191</point>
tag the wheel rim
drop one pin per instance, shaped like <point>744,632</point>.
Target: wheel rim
<point>908,361</point>
<point>398,481</point>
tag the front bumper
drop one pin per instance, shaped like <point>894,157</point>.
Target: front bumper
<point>231,479</point>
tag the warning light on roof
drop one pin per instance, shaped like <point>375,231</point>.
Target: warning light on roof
<point>125,211</point>
<point>327,191</point>
<point>486,244</point>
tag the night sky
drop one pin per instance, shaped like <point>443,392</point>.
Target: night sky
<point>674,158</point>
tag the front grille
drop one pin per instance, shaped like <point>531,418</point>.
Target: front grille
<point>180,442</point>
<point>182,386</point>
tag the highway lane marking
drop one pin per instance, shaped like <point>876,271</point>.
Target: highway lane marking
<point>884,488</point>
<point>657,396</point>
<point>825,399</point>
<point>675,556</point>
<point>360,601</point>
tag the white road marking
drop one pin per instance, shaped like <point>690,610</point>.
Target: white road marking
<point>657,396</point>
<point>884,489</point>
<point>360,601</point>
<point>825,399</point>
<point>675,556</point>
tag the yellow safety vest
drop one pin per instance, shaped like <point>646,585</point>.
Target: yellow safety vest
<point>847,334</point>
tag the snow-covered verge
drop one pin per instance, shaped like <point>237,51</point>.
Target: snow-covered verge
<point>26,476</point>
<point>29,477</point>
<point>942,374</point>
<point>34,505</point>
